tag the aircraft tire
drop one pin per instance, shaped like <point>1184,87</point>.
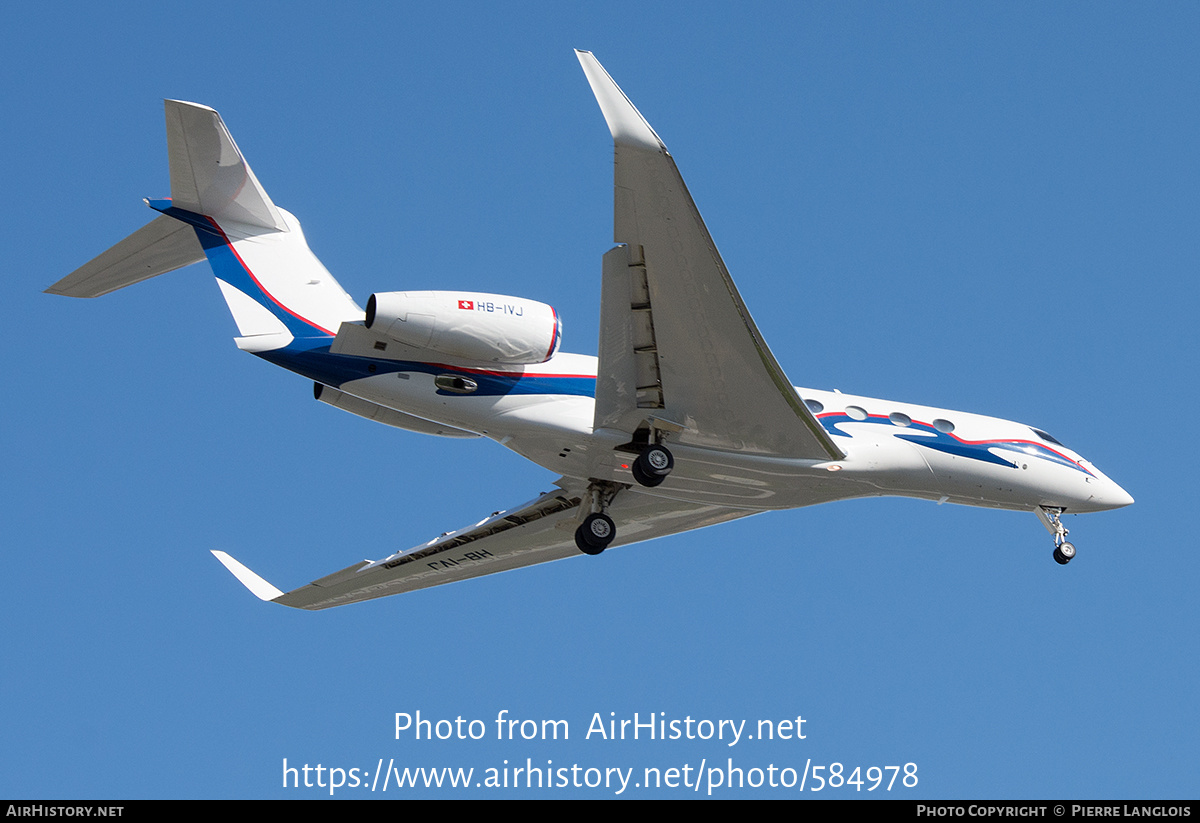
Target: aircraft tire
<point>595,533</point>
<point>1063,554</point>
<point>653,464</point>
<point>648,480</point>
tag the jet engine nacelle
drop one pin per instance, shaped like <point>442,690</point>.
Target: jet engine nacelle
<point>488,328</point>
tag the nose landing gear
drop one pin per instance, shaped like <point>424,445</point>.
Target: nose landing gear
<point>1052,520</point>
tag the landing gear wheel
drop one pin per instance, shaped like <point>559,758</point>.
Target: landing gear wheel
<point>595,533</point>
<point>643,479</point>
<point>1063,554</point>
<point>653,465</point>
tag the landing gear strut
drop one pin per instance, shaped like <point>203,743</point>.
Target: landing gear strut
<point>597,529</point>
<point>1052,520</point>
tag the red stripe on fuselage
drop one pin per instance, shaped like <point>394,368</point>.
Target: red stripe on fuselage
<point>954,436</point>
<point>261,288</point>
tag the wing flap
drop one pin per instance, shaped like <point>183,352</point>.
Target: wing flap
<point>718,376</point>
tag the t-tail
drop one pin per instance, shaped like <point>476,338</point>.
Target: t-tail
<point>279,293</point>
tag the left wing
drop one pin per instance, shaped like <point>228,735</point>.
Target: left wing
<point>537,532</point>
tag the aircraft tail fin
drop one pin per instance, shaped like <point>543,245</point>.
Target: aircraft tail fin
<point>275,287</point>
<point>209,175</point>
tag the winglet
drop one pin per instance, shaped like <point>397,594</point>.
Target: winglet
<point>626,123</point>
<point>257,586</point>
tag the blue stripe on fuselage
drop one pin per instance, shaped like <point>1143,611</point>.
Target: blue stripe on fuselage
<point>227,265</point>
<point>308,354</point>
<point>923,434</point>
<point>311,357</point>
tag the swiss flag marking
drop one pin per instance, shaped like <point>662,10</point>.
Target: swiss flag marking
<point>466,304</point>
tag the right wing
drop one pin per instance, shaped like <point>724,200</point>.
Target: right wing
<point>677,342</point>
<point>536,532</point>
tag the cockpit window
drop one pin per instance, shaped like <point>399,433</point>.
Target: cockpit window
<point>1046,437</point>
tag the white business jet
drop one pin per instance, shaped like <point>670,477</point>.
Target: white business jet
<point>684,420</point>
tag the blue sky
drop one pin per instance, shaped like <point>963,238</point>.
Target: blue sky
<point>986,207</point>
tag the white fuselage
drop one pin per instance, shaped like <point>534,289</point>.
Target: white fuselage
<point>891,448</point>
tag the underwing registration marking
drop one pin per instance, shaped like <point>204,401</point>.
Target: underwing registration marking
<point>473,556</point>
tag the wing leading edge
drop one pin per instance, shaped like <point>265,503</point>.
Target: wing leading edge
<point>676,339</point>
<point>537,532</point>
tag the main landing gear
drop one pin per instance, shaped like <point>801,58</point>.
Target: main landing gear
<point>595,533</point>
<point>597,529</point>
<point>1052,520</point>
<point>653,465</point>
<point>654,461</point>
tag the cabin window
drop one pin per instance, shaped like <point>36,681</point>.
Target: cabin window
<point>856,413</point>
<point>815,406</point>
<point>900,419</point>
<point>944,426</point>
<point>455,383</point>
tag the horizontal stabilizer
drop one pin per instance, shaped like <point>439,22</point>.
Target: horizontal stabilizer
<point>161,246</point>
<point>208,173</point>
<point>257,586</point>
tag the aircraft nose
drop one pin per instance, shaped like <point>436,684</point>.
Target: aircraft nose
<point>1109,496</point>
<point>1103,492</point>
<point>1118,497</point>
